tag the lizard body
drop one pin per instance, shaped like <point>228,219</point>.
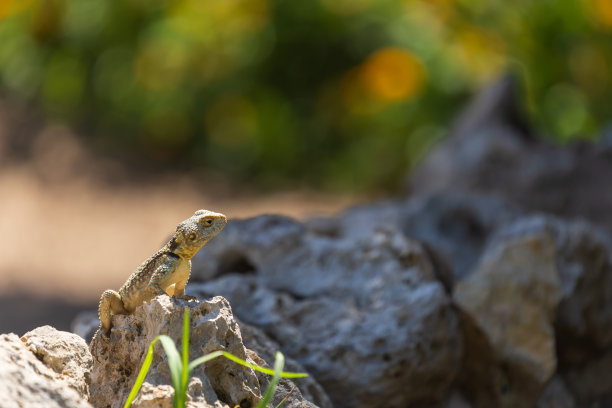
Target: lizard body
<point>165,272</point>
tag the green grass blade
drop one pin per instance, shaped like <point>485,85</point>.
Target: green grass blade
<point>263,369</point>
<point>141,375</point>
<point>279,363</point>
<point>203,359</point>
<point>240,361</point>
<point>182,396</point>
<point>175,364</point>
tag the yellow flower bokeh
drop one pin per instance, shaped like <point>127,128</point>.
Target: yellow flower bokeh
<point>392,74</point>
<point>602,12</point>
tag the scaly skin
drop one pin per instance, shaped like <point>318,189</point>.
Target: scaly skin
<point>165,272</point>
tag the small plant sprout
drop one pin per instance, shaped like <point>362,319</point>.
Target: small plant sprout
<point>181,368</point>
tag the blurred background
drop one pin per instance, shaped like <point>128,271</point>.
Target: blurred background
<point>119,119</point>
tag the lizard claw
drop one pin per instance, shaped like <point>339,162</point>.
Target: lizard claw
<point>184,297</point>
<point>99,340</point>
<point>187,297</point>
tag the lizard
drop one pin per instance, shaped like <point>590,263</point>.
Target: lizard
<point>165,272</point>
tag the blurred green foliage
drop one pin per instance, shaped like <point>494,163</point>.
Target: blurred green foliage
<point>344,94</point>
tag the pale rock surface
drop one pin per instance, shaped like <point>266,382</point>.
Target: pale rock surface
<point>27,381</point>
<point>366,316</point>
<point>218,383</point>
<point>509,304</point>
<point>65,353</point>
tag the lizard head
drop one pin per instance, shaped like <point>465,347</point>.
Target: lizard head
<point>196,231</point>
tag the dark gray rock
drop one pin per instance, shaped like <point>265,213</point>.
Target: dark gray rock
<point>455,225</point>
<point>556,395</point>
<point>590,381</point>
<point>85,324</point>
<point>492,152</point>
<point>262,350</point>
<point>365,314</point>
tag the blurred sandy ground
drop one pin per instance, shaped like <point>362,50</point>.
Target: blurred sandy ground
<point>76,239</point>
<point>68,231</point>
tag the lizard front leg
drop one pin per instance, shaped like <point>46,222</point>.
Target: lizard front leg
<point>159,281</point>
<point>151,291</point>
<point>179,287</point>
<point>110,302</point>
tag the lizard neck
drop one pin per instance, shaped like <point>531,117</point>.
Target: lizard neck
<point>173,248</point>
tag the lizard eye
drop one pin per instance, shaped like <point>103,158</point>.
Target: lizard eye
<point>191,236</point>
<point>208,221</point>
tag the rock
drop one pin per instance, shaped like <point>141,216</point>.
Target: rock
<point>65,353</point>
<point>497,104</point>
<point>498,305</point>
<point>262,350</point>
<point>27,381</point>
<point>454,224</point>
<point>509,304</point>
<point>591,382</point>
<point>456,400</point>
<point>367,317</point>
<point>366,308</point>
<point>158,396</point>
<point>556,395</point>
<point>491,152</point>
<point>218,383</point>
<point>584,264</point>
<point>487,138</point>
<point>251,249</point>
<point>585,312</point>
<point>85,324</point>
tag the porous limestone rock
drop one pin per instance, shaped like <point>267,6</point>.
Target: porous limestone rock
<point>509,304</point>
<point>367,317</point>
<point>33,376</point>
<point>65,353</point>
<point>218,383</point>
